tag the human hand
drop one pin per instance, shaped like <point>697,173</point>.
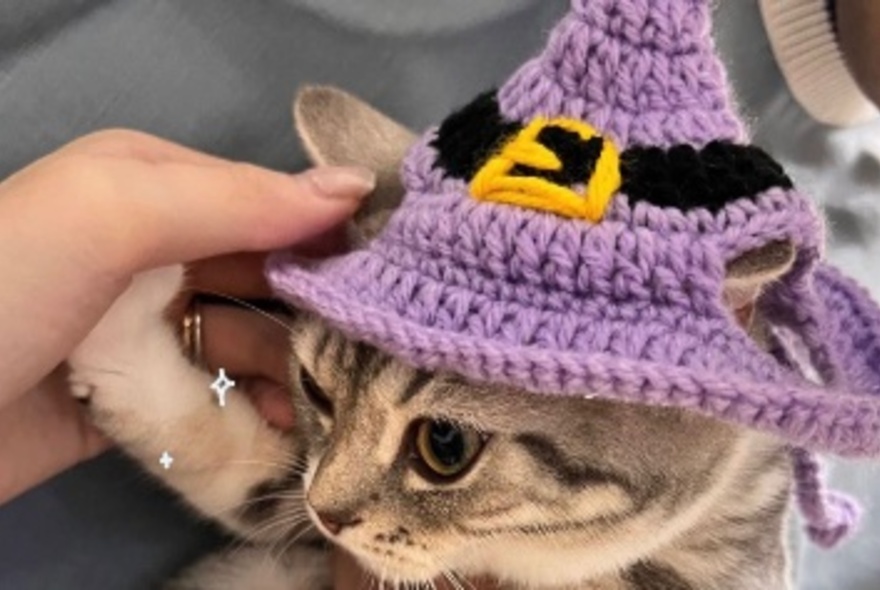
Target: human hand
<point>251,343</point>
<point>77,224</point>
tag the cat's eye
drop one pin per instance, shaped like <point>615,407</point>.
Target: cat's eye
<point>314,393</point>
<point>445,451</point>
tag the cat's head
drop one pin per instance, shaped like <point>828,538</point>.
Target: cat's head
<point>418,473</point>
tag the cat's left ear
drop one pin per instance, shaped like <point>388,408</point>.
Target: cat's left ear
<point>750,274</point>
<point>338,129</point>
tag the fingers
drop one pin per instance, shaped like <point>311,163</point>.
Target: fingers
<point>255,349</point>
<point>245,343</point>
<point>332,241</point>
<point>272,401</point>
<point>177,212</point>
<point>77,224</point>
<point>231,277</point>
<point>242,274</point>
<point>239,275</point>
<point>126,143</point>
<point>133,201</point>
<point>346,571</point>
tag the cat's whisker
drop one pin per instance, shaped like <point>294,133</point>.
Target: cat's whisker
<point>283,522</point>
<point>310,527</point>
<point>251,307</point>
<point>293,495</point>
<point>242,543</point>
<point>287,519</point>
<point>452,576</point>
<point>465,581</point>
<point>270,555</point>
<point>452,580</point>
<point>270,543</point>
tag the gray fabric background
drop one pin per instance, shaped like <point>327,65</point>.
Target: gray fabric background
<point>218,75</point>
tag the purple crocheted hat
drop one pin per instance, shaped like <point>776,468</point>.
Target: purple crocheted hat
<point>572,234</point>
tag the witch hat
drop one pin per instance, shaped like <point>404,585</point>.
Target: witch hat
<point>599,226</point>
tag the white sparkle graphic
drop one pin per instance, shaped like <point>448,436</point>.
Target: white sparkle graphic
<point>221,387</point>
<point>166,460</point>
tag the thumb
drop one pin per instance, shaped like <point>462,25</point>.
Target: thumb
<point>184,212</point>
<point>75,226</point>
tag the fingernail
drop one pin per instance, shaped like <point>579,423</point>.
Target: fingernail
<point>352,182</point>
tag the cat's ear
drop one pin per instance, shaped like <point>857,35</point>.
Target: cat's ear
<point>338,129</point>
<point>751,273</point>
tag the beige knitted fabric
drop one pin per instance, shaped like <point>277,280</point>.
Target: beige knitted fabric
<point>803,40</point>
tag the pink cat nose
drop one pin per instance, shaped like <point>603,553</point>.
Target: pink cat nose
<point>334,522</point>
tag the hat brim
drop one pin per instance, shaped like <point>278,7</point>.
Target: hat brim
<point>748,388</point>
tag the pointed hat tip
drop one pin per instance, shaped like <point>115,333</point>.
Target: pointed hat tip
<point>645,72</point>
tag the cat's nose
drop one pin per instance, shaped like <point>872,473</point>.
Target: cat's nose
<point>334,522</point>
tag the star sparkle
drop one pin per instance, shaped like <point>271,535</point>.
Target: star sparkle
<point>221,387</point>
<point>166,460</point>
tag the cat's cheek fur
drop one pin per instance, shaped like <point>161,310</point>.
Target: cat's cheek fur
<point>599,556</point>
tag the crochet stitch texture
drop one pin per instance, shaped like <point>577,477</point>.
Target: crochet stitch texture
<point>627,305</point>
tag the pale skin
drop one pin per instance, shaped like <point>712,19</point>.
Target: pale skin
<point>76,225</point>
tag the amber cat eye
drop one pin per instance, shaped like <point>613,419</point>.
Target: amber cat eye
<point>314,393</point>
<point>444,451</point>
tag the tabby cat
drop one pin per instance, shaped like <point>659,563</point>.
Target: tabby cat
<point>423,476</point>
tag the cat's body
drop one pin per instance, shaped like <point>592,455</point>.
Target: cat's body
<point>566,493</point>
<point>420,475</point>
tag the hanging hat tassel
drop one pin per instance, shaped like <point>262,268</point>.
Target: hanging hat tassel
<point>830,516</point>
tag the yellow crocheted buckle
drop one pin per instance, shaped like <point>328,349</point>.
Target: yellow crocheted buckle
<point>526,172</point>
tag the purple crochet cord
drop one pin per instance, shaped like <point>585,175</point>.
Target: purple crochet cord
<point>831,516</point>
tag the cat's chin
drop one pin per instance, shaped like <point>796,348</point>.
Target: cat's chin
<point>398,570</point>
